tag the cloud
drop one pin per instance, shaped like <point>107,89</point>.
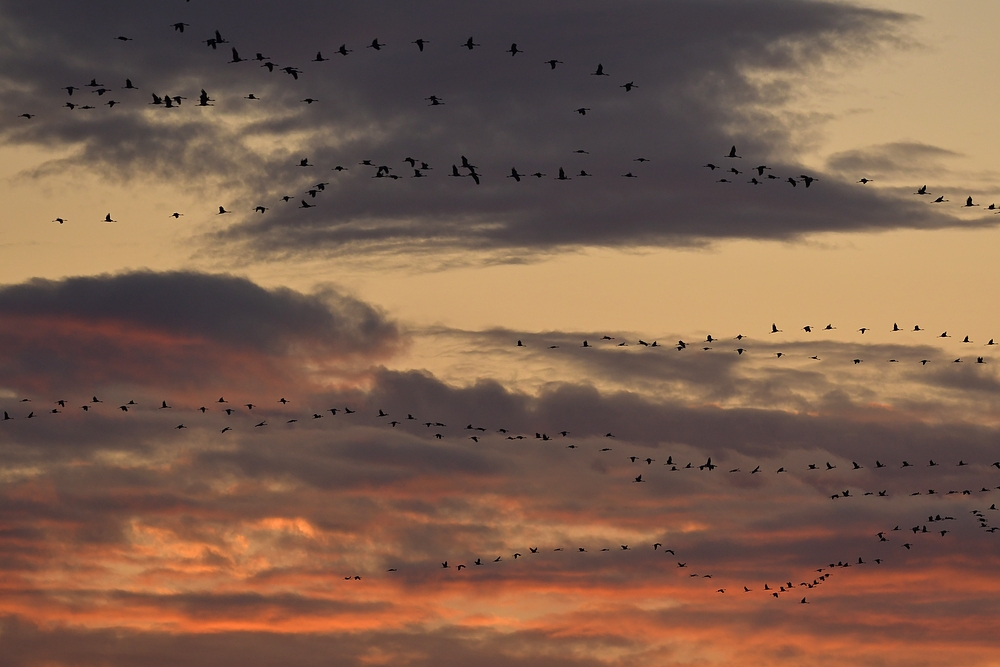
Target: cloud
<point>709,74</point>
<point>895,160</point>
<point>180,330</point>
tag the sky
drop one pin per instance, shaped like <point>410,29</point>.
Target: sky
<point>264,402</point>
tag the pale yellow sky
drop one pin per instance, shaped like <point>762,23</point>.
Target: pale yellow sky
<point>940,91</point>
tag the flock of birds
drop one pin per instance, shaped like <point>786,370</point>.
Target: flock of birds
<point>381,171</point>
<point>710,341</point>
<point>481,433</point>
<point>761,177</point>
<point>417,168</point>
<point>804,179</point>
<point>464,168</point>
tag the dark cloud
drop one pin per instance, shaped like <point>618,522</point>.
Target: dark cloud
<point>179,329</point>
<point>700,68</point>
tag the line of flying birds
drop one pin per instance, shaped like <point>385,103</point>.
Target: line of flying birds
<point>710,340</point>
<point>479,433</point>
<point>921,528</point>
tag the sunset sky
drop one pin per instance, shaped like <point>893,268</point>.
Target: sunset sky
<point>273,437</point>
